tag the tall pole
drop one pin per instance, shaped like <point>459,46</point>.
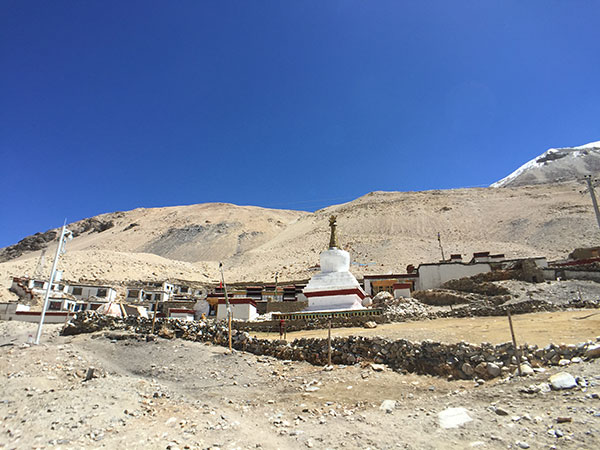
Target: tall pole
<point>329,341</point>
<point>276,276</point>
<point>512,334</point>
<point>588,179</point>
<point>441,248</point>
<point>226,303</point>
<point>49,288</point>
<point>155,313</point>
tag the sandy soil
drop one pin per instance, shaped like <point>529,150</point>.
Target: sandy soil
<point>569,327</point>
<point>178,394</point>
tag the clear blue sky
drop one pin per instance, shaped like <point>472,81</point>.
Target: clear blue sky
<point>113,105</point>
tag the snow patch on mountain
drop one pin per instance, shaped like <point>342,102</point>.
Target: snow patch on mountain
<point>556,165</point>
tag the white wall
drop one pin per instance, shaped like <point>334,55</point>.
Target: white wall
<point>244,311</point>
<point>92,291</point>
<point>433,276</point>
<point>8,310</point>
<point>50,317</point>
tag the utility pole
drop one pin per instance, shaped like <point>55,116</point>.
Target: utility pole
<point>590,182</point>
<point>441,248</point>
<point>60,248</point>
<point>227,304</point>
<point>276,276</point>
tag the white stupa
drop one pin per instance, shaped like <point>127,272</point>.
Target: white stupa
<point>334,288</point>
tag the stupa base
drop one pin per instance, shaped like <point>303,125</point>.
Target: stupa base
<point>335,299</point>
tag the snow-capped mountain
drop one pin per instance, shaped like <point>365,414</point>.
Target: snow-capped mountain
<point>556,165</point>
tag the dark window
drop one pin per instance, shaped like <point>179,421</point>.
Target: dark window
<point>101,293</point>
<point>133,294</point>
<point>54,306</point>
<point>38,284</point>
<point>77,291</point>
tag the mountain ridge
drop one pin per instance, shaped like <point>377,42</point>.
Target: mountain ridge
<point>555,165</point>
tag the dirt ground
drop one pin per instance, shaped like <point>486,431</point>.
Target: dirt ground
<point>170,394</point>
<point>569,327</point>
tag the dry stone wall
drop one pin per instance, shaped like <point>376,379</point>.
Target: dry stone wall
<point>457,361</point>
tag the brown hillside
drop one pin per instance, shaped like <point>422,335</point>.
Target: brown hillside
<point>384,231</point>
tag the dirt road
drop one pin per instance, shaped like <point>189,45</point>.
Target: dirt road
<point>179,394</point>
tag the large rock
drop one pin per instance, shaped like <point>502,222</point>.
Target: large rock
<point>468,369</point>
<point>493,370</point>
<point>453,417</point>
<point>562,380</point>
<point>388,406</point>
<point>593,351</point>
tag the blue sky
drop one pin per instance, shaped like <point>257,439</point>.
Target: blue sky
<point>113,105</point>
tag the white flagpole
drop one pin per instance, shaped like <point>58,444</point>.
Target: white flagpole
<point>49,288</point>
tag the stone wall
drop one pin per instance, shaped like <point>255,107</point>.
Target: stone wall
<point>286,307</point>
<point>455,361</point>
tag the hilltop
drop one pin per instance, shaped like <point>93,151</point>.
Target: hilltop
<point>384,231</point>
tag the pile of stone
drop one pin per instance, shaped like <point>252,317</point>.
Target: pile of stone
<point>458,361</point>
<point>476,287</point>
<point>446,297</point>
<point>528,306</point>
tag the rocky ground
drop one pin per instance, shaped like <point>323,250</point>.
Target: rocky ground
<point>181,394</point>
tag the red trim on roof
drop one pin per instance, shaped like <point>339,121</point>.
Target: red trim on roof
<point>578,262</point>
<point>181,311</point>
<point>48,313</point>
<point>402,286</point>
<point>356,291</point>
<point>386,277</point>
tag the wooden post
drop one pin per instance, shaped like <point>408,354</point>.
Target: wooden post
<point>154,317</point>
<point>226,303</point>
<point>329,342</point>
<point>517,354</point>
<point>229,327</point>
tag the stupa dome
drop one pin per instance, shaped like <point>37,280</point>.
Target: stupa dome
<point>335,260</point>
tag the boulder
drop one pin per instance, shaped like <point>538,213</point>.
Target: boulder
<point>526,369</point>
<point>593,351</point>
<point>388,406</point>
<point>562,380</point>
<point>453,417</point>
<point>468,369</point>
<point>493,370</point>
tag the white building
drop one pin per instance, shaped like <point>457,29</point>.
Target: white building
<point>241,309</point>
<point>151,292</point>
<point>27,288</point>
<point>433,275</point>
<point>87,291</point>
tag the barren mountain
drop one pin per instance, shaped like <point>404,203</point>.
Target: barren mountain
<point>384,231</point>
<point>556,165</point>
